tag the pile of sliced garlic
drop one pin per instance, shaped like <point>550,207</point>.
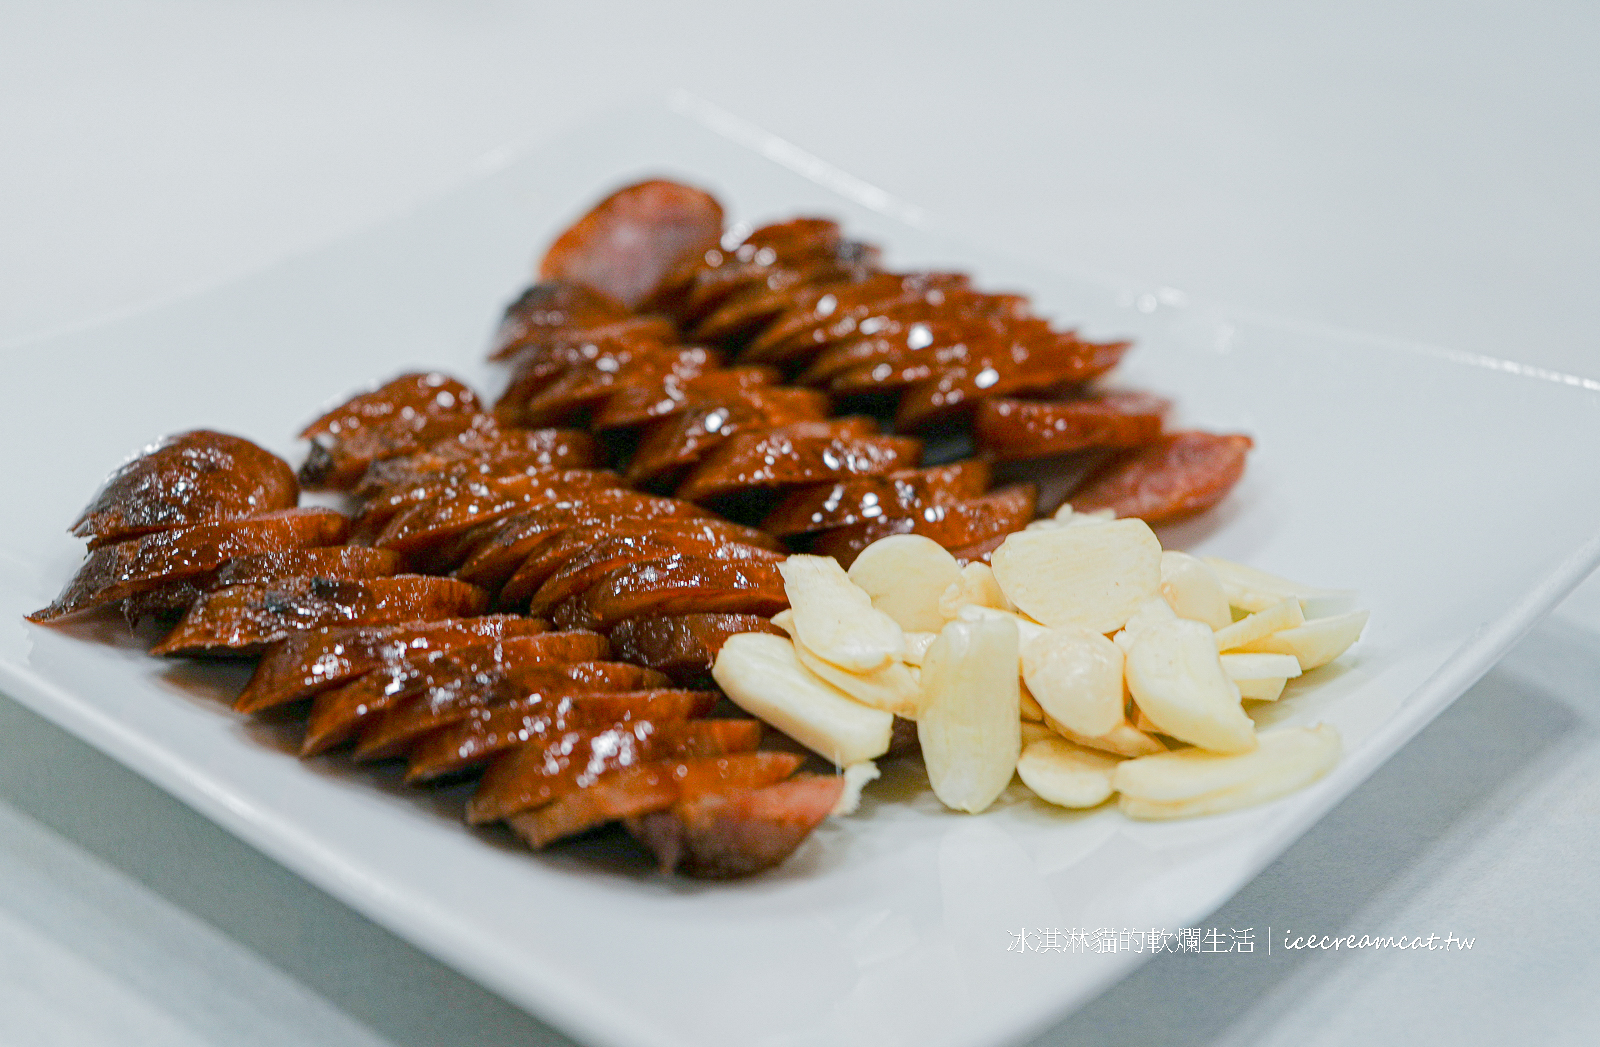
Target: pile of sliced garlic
<point>1087,661</point>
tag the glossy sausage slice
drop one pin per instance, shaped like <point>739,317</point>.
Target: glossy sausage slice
<point>788,456</point>
<point>835,312</point>
<point>403,724</point>
<point>531,776</point>
<point>338,714</point>
<point>679,441</point>
<point>488,449</point>
<point>401,417</point>
<point>633,238</point>
<point>1063,361</point>
<point>644,402</point>
<point>379,511</point>
<point>188,479</point>
<point>1179,475</point>
<point>333,561</point>
<point>554,307</point>
<point>607,554</point>
<point>683,646</point>
<point>646,788</point>
<point>720,835</point>
<point>495,551</point>
<point>138,565</point>
<point>456,509</point>
<point>860,499</point>
<point>489,732</point>
<point>585,386</point>
<point>242,619</point>
<point>309,663</point>
<point>555,554</point>
<point>1014,430</point>
<point>955,525</point>
<point>676,585</point>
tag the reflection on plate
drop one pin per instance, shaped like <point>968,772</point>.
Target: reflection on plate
<point>1434,485</point>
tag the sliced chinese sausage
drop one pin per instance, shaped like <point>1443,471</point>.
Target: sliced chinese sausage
<point>539,363</point>
<point>790,456</point>
<point>605,555</point>
<point>491,731</point>
<point>1179,475</point>
<point>308,663</point>
<point>586,386</point>
<point>679,441</point>
<point>676,585</point>
<point>333,561</point>
<point>553,307</point>
<point>406,722</point>
<point>702,285</point>
<point>837,311</point>
<point>486,449</point>
<point>922,329</point>
<point>663,536</point>
<point>954,525</point>
<point>338,714</point>
<point>1066,361</point>
<point>1014,430</point>
<point>448,489</point>
<point>757,302</point>
<point>402,417</point>
<point>683,646</point>
<point>646,788</point>
<point>242,619</point>
<point>138,565</point>
<point>859,499</point>
<point>532,775</point>
<point>496,550</point>
<point>633,238</point>
<point>721,834</point>
<point>188,479</point>
<point>457,509</point>
<point>644,402</point>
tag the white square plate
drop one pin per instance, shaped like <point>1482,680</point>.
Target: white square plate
<point>1444,487</point>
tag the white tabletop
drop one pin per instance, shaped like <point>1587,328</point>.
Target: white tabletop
<point>1428,173</point>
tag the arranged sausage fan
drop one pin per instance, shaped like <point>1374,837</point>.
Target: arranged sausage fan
<point>533,593</point>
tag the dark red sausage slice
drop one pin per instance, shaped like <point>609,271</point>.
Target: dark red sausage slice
<point>309,663</point>
<point>334,561</point>
<point>635,237</point>
<point>1059,361</point>
<point>1014,430</point>
<point>683,646</point>
<point>405,723</point>
<point>720,835</point>
<point>955,525</point>
<point>401,417</point>
<point>242,619</point>
<point>554,308</point>
<point>860,499</point>
<point>676,585</point>
<point>605,555</point>
<point>138,565</point>
<point>491,731</point>
<point>647,787</point>
<point>676,442</point>
<point>184,480</point>
<point>338,714</point>
<point>1179,475</point>
<point>780,457</point>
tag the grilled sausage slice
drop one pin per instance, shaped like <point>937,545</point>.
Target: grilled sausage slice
<point>138,565</point>
<point>191,478</point>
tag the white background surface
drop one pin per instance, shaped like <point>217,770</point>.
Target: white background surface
<point>1428,173</point>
